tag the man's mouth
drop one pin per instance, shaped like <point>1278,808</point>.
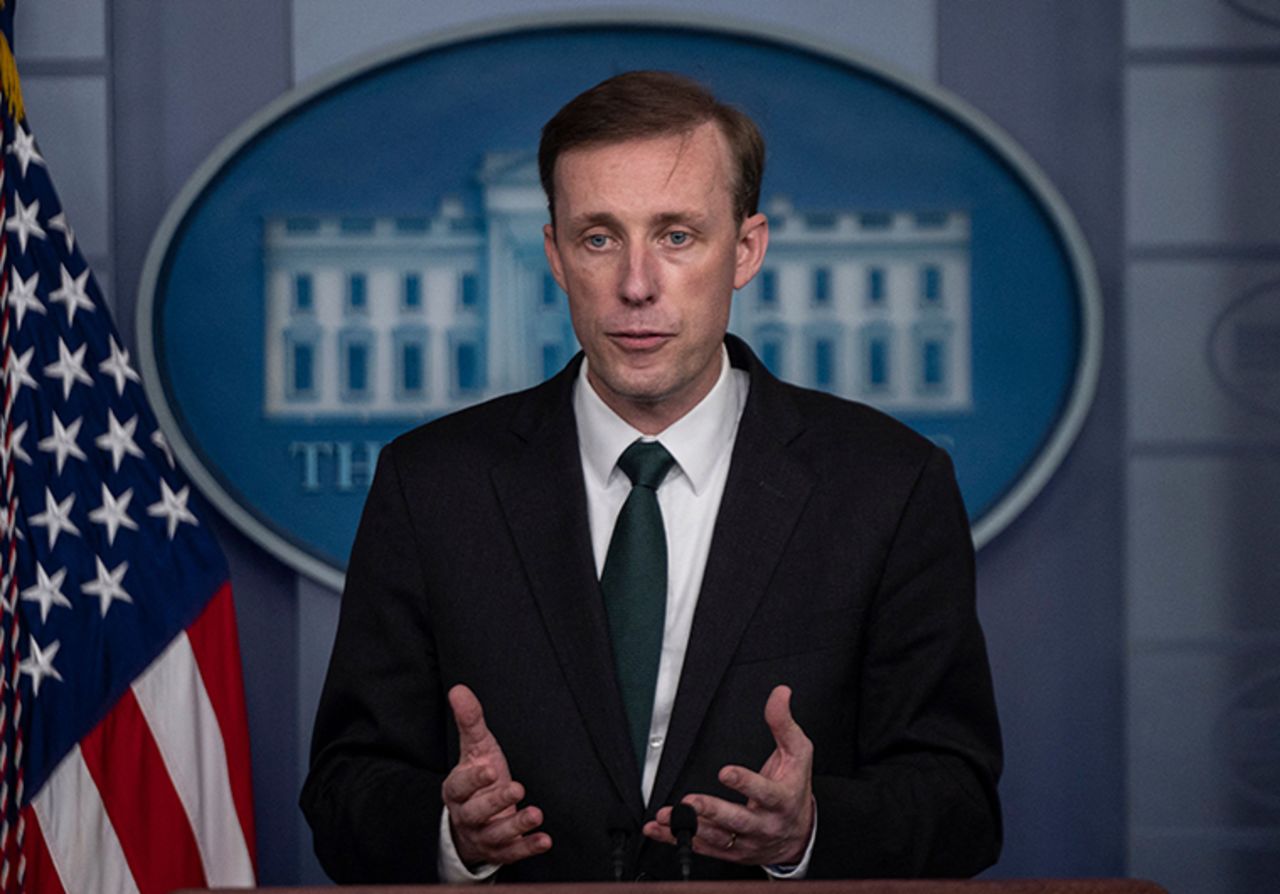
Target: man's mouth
<point>639,339</point>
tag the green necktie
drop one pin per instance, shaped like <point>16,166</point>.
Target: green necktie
<point>634,584</point>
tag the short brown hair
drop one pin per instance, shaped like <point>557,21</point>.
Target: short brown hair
<point>638,104</point>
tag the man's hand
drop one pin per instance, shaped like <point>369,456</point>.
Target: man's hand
<point>774,826</point>
<point>481,796</point>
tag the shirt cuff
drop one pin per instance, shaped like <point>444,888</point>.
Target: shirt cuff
<point>449,865</point>
<point>796,871</point>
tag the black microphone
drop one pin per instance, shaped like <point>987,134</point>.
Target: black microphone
<point>619,835</point>
<point>684,825</point>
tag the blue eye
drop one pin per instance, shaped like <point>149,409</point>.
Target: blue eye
<point>679,237</point>
<point>597,240</point>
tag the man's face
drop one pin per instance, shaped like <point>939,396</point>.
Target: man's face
<point>646,246</point>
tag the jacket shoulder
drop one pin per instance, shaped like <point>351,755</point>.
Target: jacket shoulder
<point>855,433</point>
<point>822,425</point>
<point>484,434</point>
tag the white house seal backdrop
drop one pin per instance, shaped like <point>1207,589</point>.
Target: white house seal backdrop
<point>366,254</point>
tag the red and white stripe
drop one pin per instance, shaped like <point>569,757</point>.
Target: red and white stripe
<point>158,793</point>
<point>12,839</point>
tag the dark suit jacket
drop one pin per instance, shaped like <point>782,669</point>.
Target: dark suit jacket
<point>840,564</point>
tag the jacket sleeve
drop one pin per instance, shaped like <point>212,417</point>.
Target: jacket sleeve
<point>923,799</point>
<point>379,749</point>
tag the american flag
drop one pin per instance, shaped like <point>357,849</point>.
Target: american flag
<point>124,761</point>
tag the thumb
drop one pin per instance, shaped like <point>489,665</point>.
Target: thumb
<point>787,734</point>
<point>473,735</point>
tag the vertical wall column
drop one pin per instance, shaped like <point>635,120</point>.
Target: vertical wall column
<point>1050,587</point>
<point>317,624</point>
<point>1203,350</point>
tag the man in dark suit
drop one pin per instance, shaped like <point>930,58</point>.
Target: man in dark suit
<point>813,681</point>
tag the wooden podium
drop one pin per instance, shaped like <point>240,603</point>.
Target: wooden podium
<point>976,886</point>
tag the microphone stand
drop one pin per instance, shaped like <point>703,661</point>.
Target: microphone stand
<point>619,838</point>
<point>684,825</point>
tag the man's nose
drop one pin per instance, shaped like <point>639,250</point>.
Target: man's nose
<point>639,277</point>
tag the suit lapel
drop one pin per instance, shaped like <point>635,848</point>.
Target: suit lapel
<point>544,499</point>
<point>763,497</point>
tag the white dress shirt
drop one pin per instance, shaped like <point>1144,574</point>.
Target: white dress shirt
<point>701,442</point>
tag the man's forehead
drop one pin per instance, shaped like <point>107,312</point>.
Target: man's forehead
<point>677,152</point>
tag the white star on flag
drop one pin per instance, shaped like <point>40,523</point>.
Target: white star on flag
<point>22,295</point>
<point>107,587</point>
<point>135,683</point>
<point>69,367</point>
<point>59,222</point>
<point>18,364</point>
<point>117,366</point>
<point>72,293</point>
<point>24,147</point>
<point>39,664</point>
<point>114,513</point>
<point>56,517</point>
<point>62,443</point>
<point>119,440</point>
<point>47,591</point>
<point>172,507</point>
<point>24,222</point>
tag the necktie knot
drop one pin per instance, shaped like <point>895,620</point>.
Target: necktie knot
<point>646,463</point>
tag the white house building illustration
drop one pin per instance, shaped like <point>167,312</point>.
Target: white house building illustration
<point>415,316</point>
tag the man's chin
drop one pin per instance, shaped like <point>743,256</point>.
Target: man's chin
<point>638,391</point>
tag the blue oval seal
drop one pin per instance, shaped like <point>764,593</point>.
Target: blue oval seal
<point>365,254</point>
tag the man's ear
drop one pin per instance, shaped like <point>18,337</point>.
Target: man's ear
<point>552,248</point>
<point>753,241</point>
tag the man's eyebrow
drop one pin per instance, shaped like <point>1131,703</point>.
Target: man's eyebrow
<point>593,219</point>
<point>693,218</point>
<point>664,219</point>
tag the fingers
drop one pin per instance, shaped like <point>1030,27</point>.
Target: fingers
<point>774,824</point>
<point>747,834</point>
<point>474,738</point>
<point>719,819</point>
<point>769,794</point>
<point>521,848</point>
<point>467,779</point>
<point>502,840</point>
<point>725,830</point>
<point>481,763</point>
<point>714,816</point>
<point>507,830</point>
<point>481,796</point>
<point>487,826</point>
<point>485,805</point>
<point>659,828</point>
<point>787,734</point>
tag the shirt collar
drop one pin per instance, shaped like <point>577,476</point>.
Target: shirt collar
<point>696,440</point>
